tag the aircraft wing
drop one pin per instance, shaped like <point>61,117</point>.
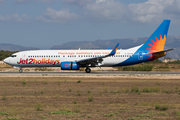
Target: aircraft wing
<point>94,61</point>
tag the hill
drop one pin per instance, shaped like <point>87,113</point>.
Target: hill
<point>12,47</point>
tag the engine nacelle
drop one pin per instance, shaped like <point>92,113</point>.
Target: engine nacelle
<point>70,66</point>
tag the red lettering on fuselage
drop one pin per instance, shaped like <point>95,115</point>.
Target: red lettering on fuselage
<point>19,61</point>
<point>34,61</point>
<point>30,61</point>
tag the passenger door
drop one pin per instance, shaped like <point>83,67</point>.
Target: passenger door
<point>24,55</point>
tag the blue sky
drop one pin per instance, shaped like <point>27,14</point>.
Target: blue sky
<point>45,23</point>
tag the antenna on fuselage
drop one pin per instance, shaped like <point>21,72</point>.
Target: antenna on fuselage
<point>79,49</point>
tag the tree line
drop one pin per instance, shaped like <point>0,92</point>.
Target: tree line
<point>5,54</point>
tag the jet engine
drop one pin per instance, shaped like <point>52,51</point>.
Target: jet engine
<point>70,66</point>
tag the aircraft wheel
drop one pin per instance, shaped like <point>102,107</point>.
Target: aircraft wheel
<point>88,70</point>
<point>20,70</point>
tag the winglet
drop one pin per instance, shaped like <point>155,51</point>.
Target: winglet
<point>114,50</point>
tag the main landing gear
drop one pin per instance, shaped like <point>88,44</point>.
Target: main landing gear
<point>88,70</point>
<point>20,70</point>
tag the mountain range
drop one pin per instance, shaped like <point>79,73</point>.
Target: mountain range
<point>172,42</point>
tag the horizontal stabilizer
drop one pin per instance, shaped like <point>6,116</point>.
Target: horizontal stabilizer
<point>164,51</point>
<point>160,54</point>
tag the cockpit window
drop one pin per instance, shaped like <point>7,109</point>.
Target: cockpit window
<point>13,55</point>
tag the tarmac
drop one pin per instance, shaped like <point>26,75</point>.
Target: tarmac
<point>85,74</point>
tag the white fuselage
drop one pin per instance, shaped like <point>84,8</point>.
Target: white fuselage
<point>53,58</point>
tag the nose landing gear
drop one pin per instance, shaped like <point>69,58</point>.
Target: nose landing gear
<point>20,70</point>
<point>88,70</point>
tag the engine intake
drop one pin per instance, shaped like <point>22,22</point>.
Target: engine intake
<point>70,66</point>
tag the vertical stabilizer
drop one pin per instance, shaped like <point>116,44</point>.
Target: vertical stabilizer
<point>152,48</point>
<point>156,41</point>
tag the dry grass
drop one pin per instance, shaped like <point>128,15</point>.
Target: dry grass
<point>93,98</point>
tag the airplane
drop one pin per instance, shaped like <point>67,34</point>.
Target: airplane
<point>152,49</point>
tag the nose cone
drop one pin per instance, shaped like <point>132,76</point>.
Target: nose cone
<point>6,60</point>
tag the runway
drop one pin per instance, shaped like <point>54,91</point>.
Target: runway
<point>83,73</point>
